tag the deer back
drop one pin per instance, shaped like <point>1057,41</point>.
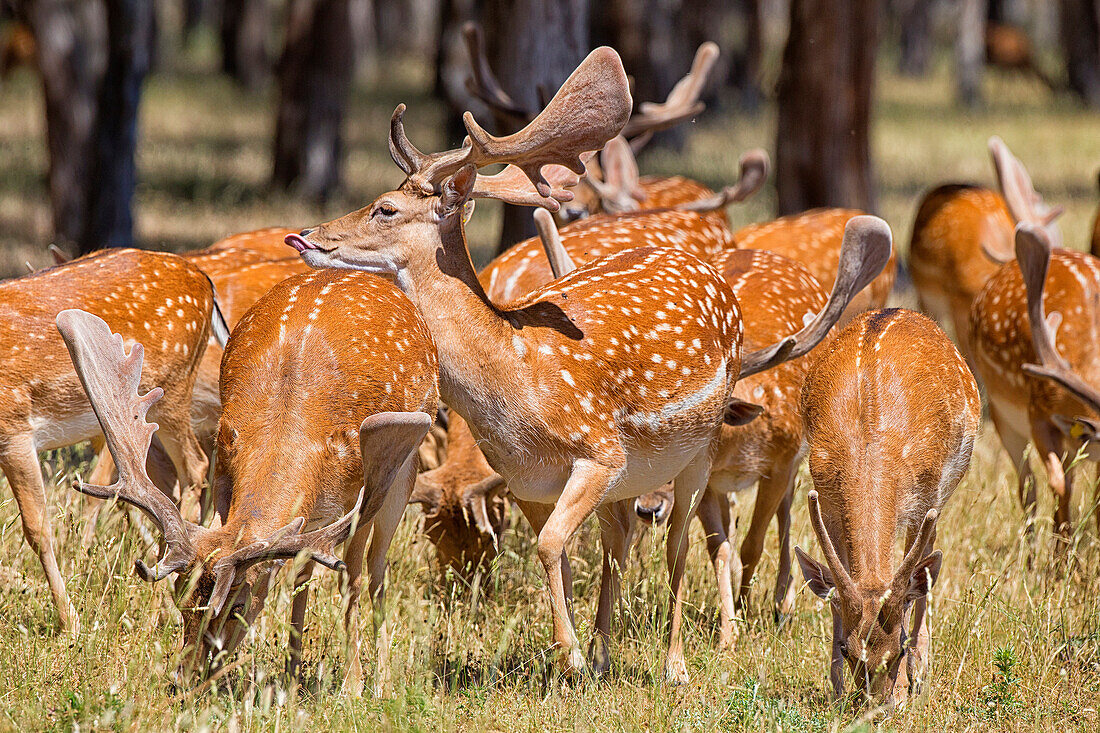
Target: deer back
<point>258,244</point>
<point>306,365</point>
<point>813,239</point>
<point>524,267</point>
<point>1001,336</point>
<point>157,299</point>
<point>891,412</point>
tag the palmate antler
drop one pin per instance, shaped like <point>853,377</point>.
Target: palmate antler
<point>589,109</point>
<point>1033,250</point>
<point>1025,204</point>
<point>682,102</point>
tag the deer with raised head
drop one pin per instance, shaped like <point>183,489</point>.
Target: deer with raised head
<point>145,296</point>
<point>576,392</point>
<point>327,385</point>
<point>963,234</point>
<point>1009,330</point>
<point>779,298</point>
<point>891,412</point>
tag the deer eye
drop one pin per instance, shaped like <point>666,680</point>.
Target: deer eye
<point>385,210</point>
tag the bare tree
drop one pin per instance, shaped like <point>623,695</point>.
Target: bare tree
<point>534,45</point>
<point>823,151</point>
<point>1081,41</point>
<point>315,74</point>
<point>970,51</point>
<point>915,20</point>
<point>93,58</point>
<point>245,25</point>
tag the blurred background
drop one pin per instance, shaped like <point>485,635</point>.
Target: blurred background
<point>169,124</point>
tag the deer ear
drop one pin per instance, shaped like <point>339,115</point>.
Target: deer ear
<point>456,191</point>
<point>426,492</point>
<point>924,577</point>
<point>817,575</point>
<point>739,412</point>
<point>386,441</point>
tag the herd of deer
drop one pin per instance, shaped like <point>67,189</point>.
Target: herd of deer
<point>643,345</point>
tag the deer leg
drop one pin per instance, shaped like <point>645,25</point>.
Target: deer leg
<point>352,587</point>
<point>714,513</point>
<point>385,525</point>
<point>184,450</point>
<point>615,529</point>
<point>19,461</point>
<point>587,485</point>
<point>689,487</point>
<point>1015,444</point>
<point>536,515</point>
<point>770,492</point>
<point>298,620</point>
<point>785,590</point>
<point>102,474</point>
<point>1049,444</point>
<point>919,657</point>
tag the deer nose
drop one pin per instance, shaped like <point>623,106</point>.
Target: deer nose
<point>307,232</point>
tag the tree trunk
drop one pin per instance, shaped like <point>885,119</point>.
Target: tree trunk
<point>970,51</point>
<point>533,44</point>
<point>244,29</point>
<point>315,74</point>
<point>823,151</point>
<point>195,13</point>
<point>1081,41</point>
<point>71,42</point>
<point>915,18</point>
<point>131,34</point>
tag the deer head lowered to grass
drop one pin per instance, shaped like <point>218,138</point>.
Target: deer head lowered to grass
<point>1010,329</point>
<point>145,296</point>
<point>600,386</point>
<point>326,384</point>
<point>891,413</point>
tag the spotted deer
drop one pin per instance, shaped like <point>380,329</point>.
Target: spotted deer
<point>1008,331</point>
<point>891,412</point>
<point>464,501</point>
<point>156,298</point>
<point>814,238</point>
<point>327,384</point>
<point>962,235</point>
<point>611,183</point>
<point>574,396</point>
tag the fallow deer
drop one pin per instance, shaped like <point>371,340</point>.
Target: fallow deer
<point>156,298</point>
<point>891,412</point>
<point>573,395</point>
<point>962,235</point>
<point>1008,331</point>
<point>814,238</point>
<point>327,384</point>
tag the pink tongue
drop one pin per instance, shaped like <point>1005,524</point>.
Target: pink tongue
<point>296,241</point>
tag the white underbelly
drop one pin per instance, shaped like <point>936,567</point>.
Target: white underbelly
<point>52,433</point>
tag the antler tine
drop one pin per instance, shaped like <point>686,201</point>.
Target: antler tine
<point>284,544</point>
<point>841,577</point>
<point>483,83</point>
<point>916,552</point>
<point>1033,249</point>
<point>1025,204</point>
<point>111,378</point>
<point>561,263</point>
<point>619,191</point>
<point>404,153</point>
<point>754,165</point>
<point>682,102</point>
<point>513,186</point>
<point>863,253</point>
<point>477,500</point>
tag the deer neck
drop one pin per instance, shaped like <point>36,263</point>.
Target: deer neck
<point>480,349</point>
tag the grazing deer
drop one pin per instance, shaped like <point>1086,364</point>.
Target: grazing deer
<point>156,298</point>
<point>611,184</point>
<point>891,412</point>
<point>463,501</point>
<point>326,384</point>
<point>962,235</point>
<point>1008,331</point>
<point>814,238</point>
<point>779,298</point>
<point>575,393</point>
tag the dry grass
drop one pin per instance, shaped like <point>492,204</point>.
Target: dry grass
<point>1015,647</point>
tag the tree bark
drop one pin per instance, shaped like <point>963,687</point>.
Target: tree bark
<point>533,44</point>
<point>71,42</point>
<point>823,151</point>
<point>244,31</point>
<point>315,74</point>
<point>970,51</point>
<point>915,19</point>
<point>1081,42</point>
